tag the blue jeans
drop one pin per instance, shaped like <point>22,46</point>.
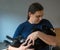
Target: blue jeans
<point>45,48</point>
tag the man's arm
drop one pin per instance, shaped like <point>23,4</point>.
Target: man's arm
<point>49,39</point>
<point>22,47</point>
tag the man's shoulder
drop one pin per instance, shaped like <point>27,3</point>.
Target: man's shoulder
<point>22,24</point>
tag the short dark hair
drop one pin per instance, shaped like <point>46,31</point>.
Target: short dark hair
<point>34,7</point>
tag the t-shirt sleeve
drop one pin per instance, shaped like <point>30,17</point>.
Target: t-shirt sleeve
<point>18,31</point>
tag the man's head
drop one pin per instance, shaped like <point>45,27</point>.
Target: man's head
<point>35,12</point>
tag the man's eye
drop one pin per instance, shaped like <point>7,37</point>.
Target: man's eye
<point>38,16</point>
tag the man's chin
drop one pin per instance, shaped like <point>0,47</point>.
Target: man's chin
<point>36,22</point>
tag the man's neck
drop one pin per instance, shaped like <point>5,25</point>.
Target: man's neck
<point>30,21</point>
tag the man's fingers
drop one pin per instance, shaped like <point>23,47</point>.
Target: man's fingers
<point>27,40</point>
<point>23,44</point>
<point>33,42</point>
<point>30,41</point>
<point>28,45</point>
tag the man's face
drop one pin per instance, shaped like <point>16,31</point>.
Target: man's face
<point>36,17</point>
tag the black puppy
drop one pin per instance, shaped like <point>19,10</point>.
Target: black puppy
<point>16,42</point>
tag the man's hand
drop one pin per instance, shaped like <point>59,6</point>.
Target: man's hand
<point>32,37</point>
<point>22,47</point>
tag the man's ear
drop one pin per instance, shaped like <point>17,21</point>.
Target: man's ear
<point>29,14</point>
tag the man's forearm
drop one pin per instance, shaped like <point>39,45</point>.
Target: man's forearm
<point>48,39</point>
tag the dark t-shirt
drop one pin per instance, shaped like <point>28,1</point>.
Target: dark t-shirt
<point>26,28</point>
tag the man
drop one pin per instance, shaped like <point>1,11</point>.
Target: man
<point>35,20</point>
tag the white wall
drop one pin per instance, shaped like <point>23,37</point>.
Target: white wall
<point>14,12</point>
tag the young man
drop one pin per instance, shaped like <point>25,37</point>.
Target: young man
<point>35,20</point>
